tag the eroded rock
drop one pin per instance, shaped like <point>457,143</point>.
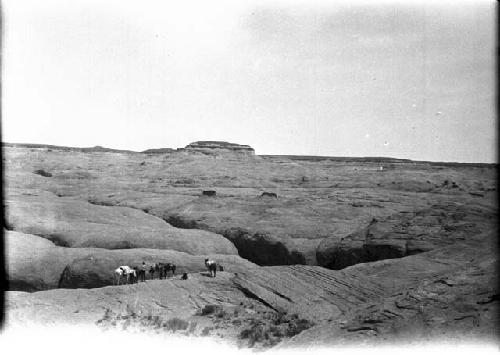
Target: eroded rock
<point>78,224</point>
<point>406,233</point>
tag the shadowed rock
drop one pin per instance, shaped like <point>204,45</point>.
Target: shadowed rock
<point>269,194</point>
<point>262,249</point>
<point>427,247</point>
<point>406,234</point>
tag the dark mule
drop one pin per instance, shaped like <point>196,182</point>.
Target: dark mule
<point>212,267</point>
<point>169,267</point>
<point>133,275</point>
<point>164,268</point>
<point>152,270</point>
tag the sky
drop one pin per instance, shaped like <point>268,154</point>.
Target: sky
<point>411,80</point>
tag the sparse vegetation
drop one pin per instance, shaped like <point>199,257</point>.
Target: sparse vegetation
<point>272,329</point>
<point>206,331</point>
<point>213,310</point>
<point>175,324</point>
<point>210,309</point>
<point>145,322</point>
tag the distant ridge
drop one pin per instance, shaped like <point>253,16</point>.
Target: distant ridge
<point>158,151</point>
<point>236,147</point>
<point>97,148</point>
<point>381,160</point>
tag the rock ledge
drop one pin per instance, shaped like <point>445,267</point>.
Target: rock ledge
<point>218,147</point>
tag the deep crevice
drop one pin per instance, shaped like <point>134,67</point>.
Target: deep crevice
<point>281,295</point>
<point>342,257</point>
<point>252,295</point>
<point>262,249</point>
<point>259,248</point>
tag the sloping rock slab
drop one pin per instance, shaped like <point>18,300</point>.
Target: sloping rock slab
<point>450,293</point>
<point>73,223</point>
<point>461,306</point>
<point>36,264</point>
<point>96,269</point>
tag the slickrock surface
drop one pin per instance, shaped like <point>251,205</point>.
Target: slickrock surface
<point>450,294</point>
<point>35,263</point>
<point>238,299</point>
<point>79,224</point>
<point>339,250</point>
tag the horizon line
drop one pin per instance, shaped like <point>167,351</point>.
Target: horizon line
<point>290,156</point>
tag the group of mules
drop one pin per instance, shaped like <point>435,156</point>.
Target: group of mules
<point>130,275</point>
<point>162,270</point>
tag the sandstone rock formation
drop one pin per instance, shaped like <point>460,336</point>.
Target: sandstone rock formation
<point>449,294</point>
<point>35,263</point>
<point>227,303</point>
<point>446,292</point>
<point>79,224</point>
<point>409,235</point>
<point>214,147</point>
<point>95,269</point>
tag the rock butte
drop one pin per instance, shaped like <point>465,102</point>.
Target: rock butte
<point>347,250</point>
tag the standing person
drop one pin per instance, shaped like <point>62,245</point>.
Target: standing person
<point>142,273</point>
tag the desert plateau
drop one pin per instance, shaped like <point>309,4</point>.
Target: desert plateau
<point>310,250</point>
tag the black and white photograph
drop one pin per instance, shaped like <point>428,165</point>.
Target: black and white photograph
<point>232,177</point>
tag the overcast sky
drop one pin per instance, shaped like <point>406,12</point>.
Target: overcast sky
<point>407,80</point>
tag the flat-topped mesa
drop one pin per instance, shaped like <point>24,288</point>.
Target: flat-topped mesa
<point>215,147</point>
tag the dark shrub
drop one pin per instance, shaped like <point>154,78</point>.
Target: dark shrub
<point>206,331</point>
<point>175,324</point>
<point>42,172</point>
<point>211,309</point>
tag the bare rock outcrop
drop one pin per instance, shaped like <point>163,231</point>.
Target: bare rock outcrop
<point>446,294</point>
<point>320,201</point>
<point>218,147</point>
<point>251,293</point>
<point>35,263</point>
<point>100,209</point>
<point>406,233</point>
<point>79,224</point>
<point>96,268</point>
<point>446,291</point>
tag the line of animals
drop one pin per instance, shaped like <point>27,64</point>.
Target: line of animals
<point>130,275</point>
<point>264,194</point>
